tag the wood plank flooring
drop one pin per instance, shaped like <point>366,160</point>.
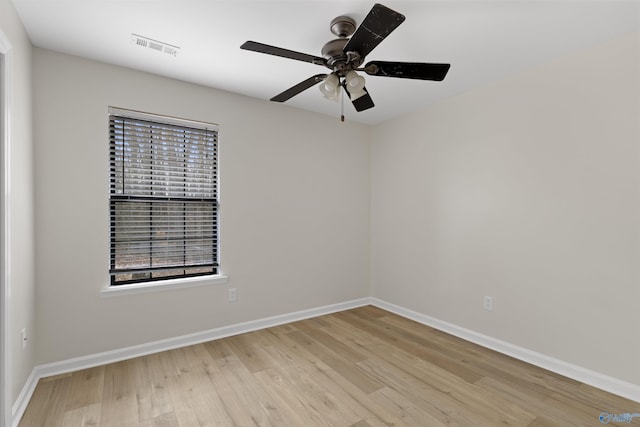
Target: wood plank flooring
<point>359,368</point>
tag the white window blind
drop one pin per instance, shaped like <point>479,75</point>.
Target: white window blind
<point>163,198</point>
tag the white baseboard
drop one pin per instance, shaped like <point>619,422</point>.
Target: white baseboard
<point>578,373</point>
<point>596,379</point>
<point>21,403</point>
<point>90,361</point>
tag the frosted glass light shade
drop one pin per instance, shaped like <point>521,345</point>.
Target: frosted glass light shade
<point>355,85</point>
<point>330,87</point>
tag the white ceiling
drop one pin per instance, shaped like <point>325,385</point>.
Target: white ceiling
<point>482,40</point>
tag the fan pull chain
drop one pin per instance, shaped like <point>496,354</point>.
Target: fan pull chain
<point>342,105</point>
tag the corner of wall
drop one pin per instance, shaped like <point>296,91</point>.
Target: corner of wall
<point>18,204</point>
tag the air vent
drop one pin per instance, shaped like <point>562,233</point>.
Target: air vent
<point>141,42</point>
<point>156,45</point>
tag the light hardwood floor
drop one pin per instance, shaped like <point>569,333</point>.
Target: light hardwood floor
<point>360,368</point>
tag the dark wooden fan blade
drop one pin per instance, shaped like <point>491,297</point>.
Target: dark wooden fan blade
<point>363,103</point>
<point>284,53</point>
<point>408,70</point>
<point>300,87</point>
<point>377,25</point>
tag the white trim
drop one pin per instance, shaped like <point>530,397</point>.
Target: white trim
<point>98,359</point>
<point>164,285</point>
<point>5,235</point>
<point>578,373</point>
<point>152,117</point>
<point>24,397</point>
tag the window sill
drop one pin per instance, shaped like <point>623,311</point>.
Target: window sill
<point>139,288</point>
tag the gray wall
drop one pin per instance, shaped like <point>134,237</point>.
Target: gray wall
<point>294,209</point>
<point>527,190</point>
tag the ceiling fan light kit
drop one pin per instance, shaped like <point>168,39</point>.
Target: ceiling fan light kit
<point>345,55</point>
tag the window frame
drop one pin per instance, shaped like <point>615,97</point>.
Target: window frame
<point>175,280</point>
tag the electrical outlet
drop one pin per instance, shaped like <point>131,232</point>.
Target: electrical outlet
<point>23,334</point>
<point>233,295</point>
<point>488,303</point>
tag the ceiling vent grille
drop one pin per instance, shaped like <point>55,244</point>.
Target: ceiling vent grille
<point>156,45</point>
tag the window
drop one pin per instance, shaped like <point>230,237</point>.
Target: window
<point>163,197</point>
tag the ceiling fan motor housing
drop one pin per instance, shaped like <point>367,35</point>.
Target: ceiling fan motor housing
<point>333,52</point>
<point>338,60</point>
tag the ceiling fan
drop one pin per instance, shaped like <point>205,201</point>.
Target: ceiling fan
<point>344,57</point>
